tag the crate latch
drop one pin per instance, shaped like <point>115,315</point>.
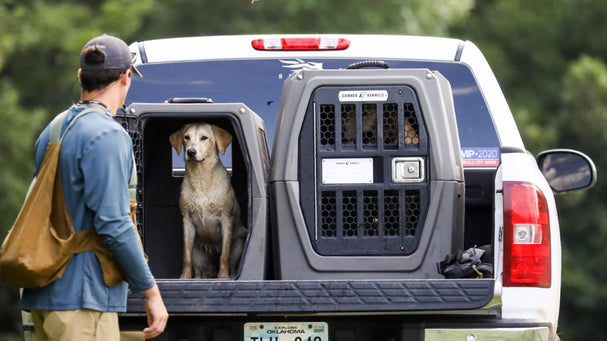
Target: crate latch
<point>408,169</point>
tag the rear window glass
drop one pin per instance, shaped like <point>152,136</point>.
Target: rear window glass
<point>258,84</point>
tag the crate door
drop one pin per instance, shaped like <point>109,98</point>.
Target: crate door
<point>363,170</point>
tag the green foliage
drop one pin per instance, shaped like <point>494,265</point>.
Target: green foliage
<point>582,123</point>
<point>530,45</point>
<point>208,17</point>
<point>22,126</point>
<point>583,118</point>
<point>540,52</point>
<point>47,37</point>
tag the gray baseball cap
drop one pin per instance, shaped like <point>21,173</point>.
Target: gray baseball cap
<point>116,55</point>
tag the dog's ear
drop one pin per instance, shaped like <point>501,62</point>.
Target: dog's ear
<point>177,140</point>
<point>222,138</point>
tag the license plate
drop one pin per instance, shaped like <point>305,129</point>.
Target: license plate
<point>286,331</point>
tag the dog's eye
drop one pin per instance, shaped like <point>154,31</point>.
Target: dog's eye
<point>187,137</point>
<point>203,138</point>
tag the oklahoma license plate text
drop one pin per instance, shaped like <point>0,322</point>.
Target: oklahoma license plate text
<point>286,331</point>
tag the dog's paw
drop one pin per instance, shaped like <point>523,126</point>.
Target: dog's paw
<point>223,274</point>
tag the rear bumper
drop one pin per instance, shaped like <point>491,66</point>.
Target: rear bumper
<point>329,297</point>
<point>346,328</point>
<point>505,334</point>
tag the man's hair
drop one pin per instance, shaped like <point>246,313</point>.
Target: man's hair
<point>97,79</point>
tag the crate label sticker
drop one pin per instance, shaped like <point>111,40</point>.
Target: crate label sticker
<point>481,157</point>
<point>347,171</point>
<point>363,95</point>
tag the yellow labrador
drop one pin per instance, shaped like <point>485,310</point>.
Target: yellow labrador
<point>213,234</point>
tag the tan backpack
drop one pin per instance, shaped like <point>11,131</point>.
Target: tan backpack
<point>42,241</point>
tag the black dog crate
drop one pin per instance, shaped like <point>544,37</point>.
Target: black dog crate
<point>367,180</point>
<point>160,174</point>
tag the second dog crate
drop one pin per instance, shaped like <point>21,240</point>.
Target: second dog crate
<point>367,180</point>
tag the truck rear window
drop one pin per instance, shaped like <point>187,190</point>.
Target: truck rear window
<point>258,83</point>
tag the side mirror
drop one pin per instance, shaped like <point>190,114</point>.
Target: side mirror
<point>567,170</point>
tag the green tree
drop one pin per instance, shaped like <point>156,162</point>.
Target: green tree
<point>539,51</point>
<point>582,123</point>
<point>206,17</point>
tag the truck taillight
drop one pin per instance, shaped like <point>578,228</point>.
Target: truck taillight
<point>526,236</point>
<point>301,44</point>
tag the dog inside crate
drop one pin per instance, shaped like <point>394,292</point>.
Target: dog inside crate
<point>369,124</point>
<point>162,177</point>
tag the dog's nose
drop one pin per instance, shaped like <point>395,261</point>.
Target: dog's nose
<point>191,152</point>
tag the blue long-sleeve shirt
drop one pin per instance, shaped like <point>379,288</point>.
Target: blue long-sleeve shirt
<point>95,165</point>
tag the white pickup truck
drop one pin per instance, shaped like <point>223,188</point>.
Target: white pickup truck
<point>390,156</point>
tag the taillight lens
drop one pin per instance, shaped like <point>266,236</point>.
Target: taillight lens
<point>527,259</point>
<point>300,44</point>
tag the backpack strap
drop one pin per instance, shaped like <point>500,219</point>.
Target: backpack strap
<point>56,136</point>
<point>57,123</point>
<point>133,182</point>
<point>55,127</point>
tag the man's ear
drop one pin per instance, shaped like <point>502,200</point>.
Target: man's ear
<point>125,77</point>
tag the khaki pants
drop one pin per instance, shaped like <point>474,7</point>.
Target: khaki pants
<point>75,325</point>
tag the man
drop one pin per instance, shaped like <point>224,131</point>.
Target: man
<point>96,164</point>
